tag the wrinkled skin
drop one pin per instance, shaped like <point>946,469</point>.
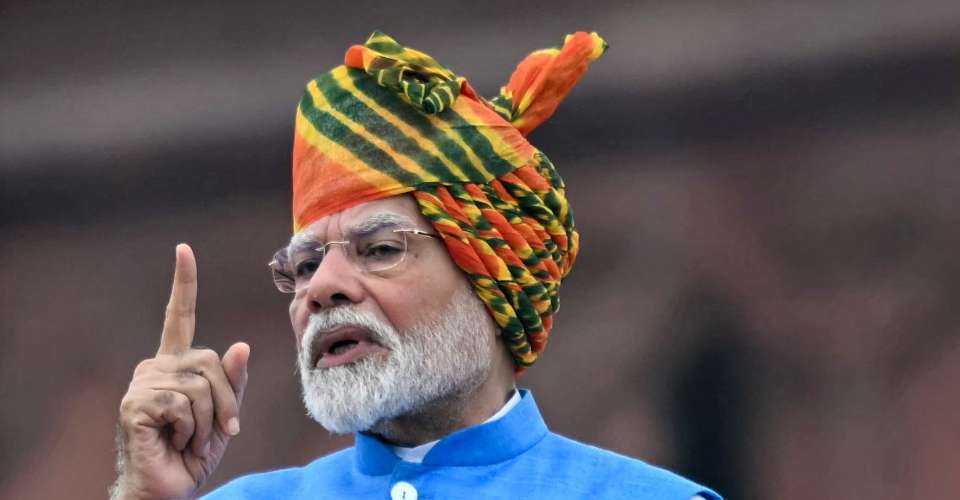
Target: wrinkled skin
<point>182,406</point>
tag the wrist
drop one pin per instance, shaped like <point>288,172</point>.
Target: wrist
<point>124,489</point>
<point>121,490</point>
<point>118,491</point>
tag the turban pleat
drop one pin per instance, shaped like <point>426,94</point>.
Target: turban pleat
<point>392,120</point>
<point>544,78</point>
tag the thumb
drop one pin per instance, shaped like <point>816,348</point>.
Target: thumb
<point>235,366</point>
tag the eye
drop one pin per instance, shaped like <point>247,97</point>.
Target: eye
<point>382,250</point>
<point>307,267</point>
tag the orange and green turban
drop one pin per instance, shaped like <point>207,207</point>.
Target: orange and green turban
<point>392,120</point>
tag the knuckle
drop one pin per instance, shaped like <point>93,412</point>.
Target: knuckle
<point>203,405</point>
<point>198,383</point>
<point>177,309</point>
<point>164,363</point>
<point>180,401</point>
<point>128,405</point>
<point>144,366</point>
<point>208,357</point>
<point>190,378</point>
<point>164,398</point>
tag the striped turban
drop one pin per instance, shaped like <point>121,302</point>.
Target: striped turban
<point>392,120</point>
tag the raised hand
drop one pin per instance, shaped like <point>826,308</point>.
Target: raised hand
<point>182,406</point>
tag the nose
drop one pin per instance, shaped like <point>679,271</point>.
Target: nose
<point>335,282</point>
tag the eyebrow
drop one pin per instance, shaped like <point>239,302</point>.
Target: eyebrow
<point>379,221</point>
<point>372,224</point>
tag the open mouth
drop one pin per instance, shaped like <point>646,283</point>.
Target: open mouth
<point>343,345</point>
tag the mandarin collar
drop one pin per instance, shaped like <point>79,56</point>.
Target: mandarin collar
<point>483,444</point>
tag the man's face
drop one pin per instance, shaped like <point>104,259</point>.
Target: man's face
<point>374,346</point>
<point>400,296</point>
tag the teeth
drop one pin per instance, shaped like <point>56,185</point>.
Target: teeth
<point>343,347</point>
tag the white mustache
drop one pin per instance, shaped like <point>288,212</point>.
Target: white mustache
<point>326,321</point>
<point>447,349</point>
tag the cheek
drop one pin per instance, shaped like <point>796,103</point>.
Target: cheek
<point>298,320</point>
<point>419,293</point>
<point>403,301</point>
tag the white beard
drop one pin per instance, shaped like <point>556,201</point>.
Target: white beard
<point>448,353</point>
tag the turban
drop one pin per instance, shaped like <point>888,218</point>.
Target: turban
<point>391,120</point>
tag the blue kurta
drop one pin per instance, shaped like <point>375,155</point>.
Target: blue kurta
<point>514,457</point>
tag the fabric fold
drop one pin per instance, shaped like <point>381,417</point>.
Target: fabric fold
<point>392,120</point>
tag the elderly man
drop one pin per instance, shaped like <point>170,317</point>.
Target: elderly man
<point>430,239</point>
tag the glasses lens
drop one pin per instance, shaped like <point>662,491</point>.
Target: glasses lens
<point>381,250</point>
<point>378,251</point>
<point>282,278</point>
<point>303,263</point>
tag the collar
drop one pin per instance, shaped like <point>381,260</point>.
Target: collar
<point>484,444</point>
<point>415,454</point>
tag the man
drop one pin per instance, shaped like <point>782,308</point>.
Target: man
<point>430,239</point>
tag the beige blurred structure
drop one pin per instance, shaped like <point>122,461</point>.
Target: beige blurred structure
<point>764,302</point>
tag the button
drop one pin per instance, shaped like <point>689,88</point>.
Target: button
<point>403,491</point>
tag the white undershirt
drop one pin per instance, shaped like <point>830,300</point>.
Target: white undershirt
<point>415,454</point>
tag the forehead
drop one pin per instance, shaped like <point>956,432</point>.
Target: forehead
<point>398,210</point>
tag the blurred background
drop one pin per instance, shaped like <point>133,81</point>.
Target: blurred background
<point>766,299</point>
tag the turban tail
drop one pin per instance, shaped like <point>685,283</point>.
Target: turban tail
<point>391,120</point>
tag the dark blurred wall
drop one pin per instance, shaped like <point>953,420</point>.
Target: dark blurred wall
<point>765,299</point>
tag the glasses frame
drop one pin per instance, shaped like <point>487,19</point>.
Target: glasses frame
<point>287,284</point>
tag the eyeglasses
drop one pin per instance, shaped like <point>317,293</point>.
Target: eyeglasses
<point>378,251</point>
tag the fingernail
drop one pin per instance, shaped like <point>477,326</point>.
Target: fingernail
<point>233,426</point>
<point>206,449</point>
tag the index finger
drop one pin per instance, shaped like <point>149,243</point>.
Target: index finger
<point>180,320</point>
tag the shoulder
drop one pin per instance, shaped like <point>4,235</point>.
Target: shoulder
<point>598,469</point>
<point>284,483</point>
